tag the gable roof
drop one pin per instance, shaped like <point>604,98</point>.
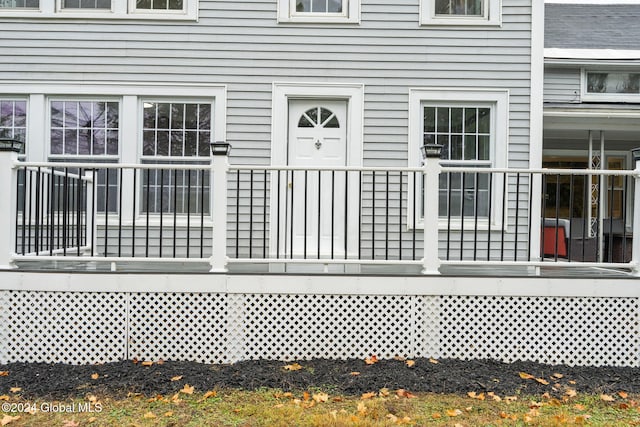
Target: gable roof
<point>590,26</point>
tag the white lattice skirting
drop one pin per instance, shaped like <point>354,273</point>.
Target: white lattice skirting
<point>87,327</point>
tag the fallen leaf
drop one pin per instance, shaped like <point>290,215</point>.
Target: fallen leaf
<point>337,399</point>
<point>572,382</point>
<point>392,418</point>
<point>624,406</point>
<point>384,392</point>
<point>410,363</point>
<point>91,398</point>
<point>176,378</point>
<point>293,367</point>
<point>149,415</point>
<point>511,398</point>
<point>368,395</point>
<point>526,376</point>
<point>557,375</point>
<point>354,374</point>
<point>4,397</point>
<point>160,362</point>
<point>571,392</point>
<point>320,397</point>
<point>4,373</point>
<point>579,407</point>
<point>92,419</point>
<point>187,389</point>
<point>399,358</point>
<point>147,363</point>
<point>70,423</point>
<point>362,408</point>
<point>210,393</point>
<point>168,414</point>
<point>95,376</point>
<point>582,419</point>
<point>542,381</point>
<point>474,395</point>
<point>623,394</point>
<point>306,396</point>
<point>404,393</point>
<point>453,412</point>
<point>436,415</point>
<point>135,360</point>
<point>434,361</point>
<point>371,360</point>
<point>607,398</point>
<point>503,414</point>
<point>15,389</point>
<point>8,419</point>
<point>546,395</point>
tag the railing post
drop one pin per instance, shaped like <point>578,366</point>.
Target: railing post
<point>218,205</point>
<point>635,246</point>
<point>91,225</point>
<point>9,150</point>
<point>431,173</point>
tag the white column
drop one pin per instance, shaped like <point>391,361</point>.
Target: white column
<point>635,247</point>
<point>430,198</point>
<point>129,144</point>
<point>8,178</point>
<point>218,208</point>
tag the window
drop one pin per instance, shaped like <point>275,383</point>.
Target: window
<point>330,11</point>
<point>611,86</point>
<point>465,134</point>
<point>87,130</point>
<point>86,4</point>
<point>159,4</point>
<point>472,127</point>
<point>19,4</point>
<point>176,132</point>
<point>84,128</point>
<point>460,12</point>
<point>101,9</point>
<point>13,119</point>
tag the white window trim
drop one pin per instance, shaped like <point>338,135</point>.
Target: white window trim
<point>350,14</point>
<point>493,15</point>
<point>498,100</point>
<point>128,94</point>
<point>120,9</point>
<point>605,97</point>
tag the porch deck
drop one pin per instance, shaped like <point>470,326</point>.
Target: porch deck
<point>552,270</point>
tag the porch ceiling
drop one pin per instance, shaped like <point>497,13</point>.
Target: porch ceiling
<point>567,126</point>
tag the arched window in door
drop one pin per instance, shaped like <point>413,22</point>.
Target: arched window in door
<point>318,117</point>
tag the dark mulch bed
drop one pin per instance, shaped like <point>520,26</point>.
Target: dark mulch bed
<point>448,376</point>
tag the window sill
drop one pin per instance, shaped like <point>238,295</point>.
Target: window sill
<point>460,22</point>
<point>318,20</point>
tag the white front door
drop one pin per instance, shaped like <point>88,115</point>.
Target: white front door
<point>317,137</point>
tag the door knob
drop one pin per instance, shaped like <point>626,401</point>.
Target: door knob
<point>318,144</point>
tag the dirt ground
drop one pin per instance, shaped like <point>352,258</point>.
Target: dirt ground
<point>351,377</point>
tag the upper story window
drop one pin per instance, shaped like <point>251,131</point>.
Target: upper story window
<point>86,4</point>
<point>460,12</point>
<point>328,11</point>
<point>611,86</point>
<point>19,4</point>
<point>101,9</point>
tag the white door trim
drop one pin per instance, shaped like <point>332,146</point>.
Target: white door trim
<point>282,92</point>
<point>354,95</point>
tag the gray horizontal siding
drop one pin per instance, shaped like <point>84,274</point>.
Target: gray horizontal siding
<point>240,44</point>
<point>562,85</point>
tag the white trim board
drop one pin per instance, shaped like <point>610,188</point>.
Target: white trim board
<point>559,53</point>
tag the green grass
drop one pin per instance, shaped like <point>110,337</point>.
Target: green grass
<point>317,408</point>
